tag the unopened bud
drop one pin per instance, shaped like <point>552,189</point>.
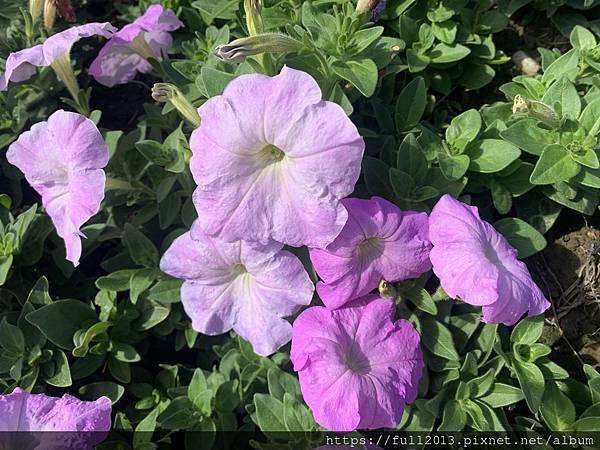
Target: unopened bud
<point>237,51</point>
<point>166,92</point>
<point>374,7</point>
<point>49,14</point>
<point>36,7</point>
<point>254,22</point>
<point>537,110</point>
<point>387,290</point>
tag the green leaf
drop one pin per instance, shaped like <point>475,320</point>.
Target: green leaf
<point>93,331</point>
<point>269,413</point>
<point>140,248</point>
<point>94,391</point>
<point>590,115</point>
<point>438,339</point>
<point>140,281</point>
<point>120,370</point>
<point>402,183</point>
<point>454,417</point>
<point>39,293</point>
<point>362,73</point>
<point>581,38</point>
<point>567,65</point>
<point>411,104</point>
<point>11,338</point>
<point>213,81</point>
<point>587,157</point>
<point>593,378</point>
<point>444,53</point>
<point>557,410</point>
<point>502,395</point>
<point>491,155</point>
<point>526,239</point>
<point>126,353</point>
<point>376,176</point>
<point>422,300</point>
<point>453,166</point>
<point>62,373</point>
<point>562,96</point>
<point>211,10</point>
<point>528,330</point>
<point>555,164</point>
<point>144,429</point>
<point>463,129</point>
<point>532,383</point>
<point>281,382</point>
<point>501,197</point>
<point>60,320</point>
<point>411,159</point>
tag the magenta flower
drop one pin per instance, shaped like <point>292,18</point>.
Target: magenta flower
<point>357,367</point>
<point>378,242</point>
<point>21,66</point>
<point>475,263</point>
<point>62,159</point>
<point>239,286</point>
<point>272,161</point>
<point>22,412</point>
<point>126,53</point>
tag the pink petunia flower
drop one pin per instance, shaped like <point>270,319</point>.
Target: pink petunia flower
<point>62,159</point>
<point>55,50</point>
<point>272,161</point>
<point>378,242</point>
<point>475,263</point>
<point>126,53</point>
<point>84,424</point>
<point>239,286</point>
<point>357,367</point>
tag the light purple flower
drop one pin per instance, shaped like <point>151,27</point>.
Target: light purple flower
<point>475,263</point>
<point>378,242</point>
<point>239,286</point>
<point>25,412</point>
<point>357,367</point>
<point>127,51</point>
<point>62,159</point>
<point>272,161</point>
<point>21,65</point>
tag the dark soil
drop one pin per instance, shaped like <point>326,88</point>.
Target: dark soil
<point>568,271</point>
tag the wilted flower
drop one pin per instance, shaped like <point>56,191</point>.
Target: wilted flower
<point>62,159</point>
<point>127,52</point>
<point>55,52</point>
<point>239,286</point>
<point>475,263</point>
<point>167,92</point>
<point>357,367</point>
<point>378,242</point>
<point>84,424</point>
<point>272,161</point>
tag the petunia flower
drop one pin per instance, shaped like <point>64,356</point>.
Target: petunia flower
<point>62,159</point>
<point>378,242</point>
<point>240,286</point>
<point>84,424</point>
<point>55,52</point>
<point>127,52</point>
<point>476,264</point>
<point>272,161</point>
<point>357,367</point>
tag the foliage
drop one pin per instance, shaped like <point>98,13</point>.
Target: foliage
<point>116,327</point>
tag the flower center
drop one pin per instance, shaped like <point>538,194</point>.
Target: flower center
<point>358,365</point>
<point>238,269</point>
<point>372,246</point>
<point>270,154</point>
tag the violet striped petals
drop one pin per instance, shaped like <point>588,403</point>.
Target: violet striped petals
<point>245,287</point>
<point>84,424</point>
<point>272,161</point>
<point>357,367</point>
<point>62,159</point>
<point>126,53</point>
<point>378,242</point>
<point>21,65</point>
<point>476,264</point>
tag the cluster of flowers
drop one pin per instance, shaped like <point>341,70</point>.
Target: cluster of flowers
<point>273,164</point>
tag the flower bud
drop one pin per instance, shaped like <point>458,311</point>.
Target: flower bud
<point>166,92</point>
<point>36,7</point>
<point>254,22</point>
<point>49,14</point>
<point>387,290</point>
<point>237,51</point>
<point>537,110</point>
